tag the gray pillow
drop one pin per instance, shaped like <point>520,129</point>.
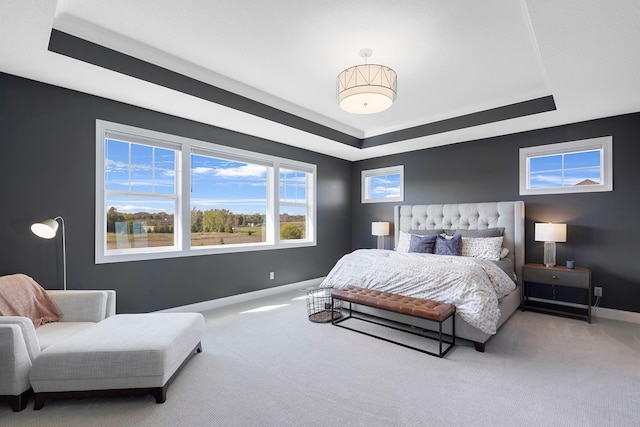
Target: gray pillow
<point>449,246</point>
<point>487,232</point>
<point>427,232</point>
<point>422,244</point>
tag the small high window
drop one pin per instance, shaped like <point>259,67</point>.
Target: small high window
<point>569,167</point>
<point>383,185</point>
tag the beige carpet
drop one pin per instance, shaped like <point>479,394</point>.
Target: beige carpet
<point>275,368</point>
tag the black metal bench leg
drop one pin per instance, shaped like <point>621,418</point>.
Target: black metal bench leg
<point>440,338</point>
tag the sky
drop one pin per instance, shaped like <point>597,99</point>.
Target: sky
<point>549,171</point>
<point>215,183</point>
<point>383,186</point>
<point>223,184</point>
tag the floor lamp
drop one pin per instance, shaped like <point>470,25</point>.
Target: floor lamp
<point>48,229</point>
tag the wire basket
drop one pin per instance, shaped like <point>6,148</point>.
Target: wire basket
<point>319,306</point>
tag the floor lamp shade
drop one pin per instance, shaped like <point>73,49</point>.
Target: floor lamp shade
<point>380,229</point>
<point>48,229</point>
<point>550,234</point>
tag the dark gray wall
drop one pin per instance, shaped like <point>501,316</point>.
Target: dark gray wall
<point>47,168</point>
<point>602,227</point>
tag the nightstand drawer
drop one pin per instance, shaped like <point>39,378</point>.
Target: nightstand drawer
<point>573,278</point>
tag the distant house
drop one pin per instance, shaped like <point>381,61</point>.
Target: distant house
<point>586,182</point>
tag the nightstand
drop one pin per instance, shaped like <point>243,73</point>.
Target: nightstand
<point>579,277</point>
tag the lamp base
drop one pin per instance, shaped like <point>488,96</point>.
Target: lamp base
<point>549,254</point>
<point>380,242</point>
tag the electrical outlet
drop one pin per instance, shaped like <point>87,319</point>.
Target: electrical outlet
<point>272,275</point>
<point>597,291</point>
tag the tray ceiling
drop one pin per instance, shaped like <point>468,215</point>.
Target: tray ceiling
<point>454,60</point>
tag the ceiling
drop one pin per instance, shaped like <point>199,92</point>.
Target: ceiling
<point>454,58</point>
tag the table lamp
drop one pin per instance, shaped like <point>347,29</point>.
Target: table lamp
<point>550,234</point>
<point>380,229</point>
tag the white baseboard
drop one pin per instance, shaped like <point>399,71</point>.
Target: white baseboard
<point>602,312</point>
<point>235,299</point>
<point>565,303</point>
<point>610,313</point>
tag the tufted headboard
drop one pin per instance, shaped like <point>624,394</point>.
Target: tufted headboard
<point>472,216</point>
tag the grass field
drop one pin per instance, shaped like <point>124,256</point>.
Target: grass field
<point>154,240</point>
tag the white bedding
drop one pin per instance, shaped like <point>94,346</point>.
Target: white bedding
<point>473,285</point>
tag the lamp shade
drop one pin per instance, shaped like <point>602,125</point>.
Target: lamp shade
<point>46,229</point>
<point>548,232</point>
<point>367,89</point>
<point>380,228</point>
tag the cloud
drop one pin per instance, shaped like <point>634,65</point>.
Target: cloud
<point>387,191</point>
<point>113,166</point>
<point>547,181</point>
<point>137,208</point>
<point>244,171</point>
<point>202,171</point>
<point>253,171</point>
<point>226,202</point>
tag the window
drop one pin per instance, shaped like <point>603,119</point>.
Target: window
<point>383,185</point>
<point>569,167</point>
<point>160,196</point>
<point>294,204</point>
<point>228,199</point>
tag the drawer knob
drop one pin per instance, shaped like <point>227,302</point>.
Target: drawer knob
<point>554,277</point>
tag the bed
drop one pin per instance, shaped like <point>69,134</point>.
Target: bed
<point>477,286</point>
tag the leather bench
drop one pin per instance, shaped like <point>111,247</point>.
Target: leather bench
<point>416,307</point>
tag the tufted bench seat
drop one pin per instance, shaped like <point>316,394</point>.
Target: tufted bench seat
<point>121,355</point>
<point>416,307</point>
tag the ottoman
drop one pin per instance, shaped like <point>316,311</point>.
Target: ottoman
<point>124,354</point>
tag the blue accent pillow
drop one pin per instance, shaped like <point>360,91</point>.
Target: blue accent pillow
<point>449,246</point>
<point>422,244</point>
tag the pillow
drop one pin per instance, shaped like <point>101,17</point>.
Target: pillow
<point>486,232</point>
<point>482,247</point>
<point>504,253</point>
<point>20,295</point>
<point>403,242</point>
<point>404,238</point>
<point>449,245</point>
<point>427,232</point>
<point>422,244</point>
<point>507,266</point>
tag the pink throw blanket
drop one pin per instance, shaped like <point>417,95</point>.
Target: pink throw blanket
<point>20,295</point>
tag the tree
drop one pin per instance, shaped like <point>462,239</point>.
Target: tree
<point>196,220</point>
<point>113,216</point>
<point>291,231</point>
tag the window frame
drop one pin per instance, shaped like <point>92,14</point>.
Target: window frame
<point>367,175</point>
<point>310,228</point>
<point>604,144</point>
<point>182,217</point>
<point>150,141</point>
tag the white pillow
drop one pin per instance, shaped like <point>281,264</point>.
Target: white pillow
<point>404,239</point>
<point>482,247</point>
<point>504,253</point>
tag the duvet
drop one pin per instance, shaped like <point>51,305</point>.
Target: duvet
<point>473,285</point>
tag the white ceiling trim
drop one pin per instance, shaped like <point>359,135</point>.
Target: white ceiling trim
<point>589,49</point>
<point>102,36</point>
